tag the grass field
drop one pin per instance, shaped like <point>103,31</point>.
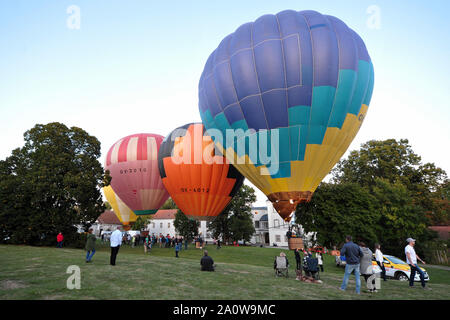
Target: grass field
<point>242,273</point>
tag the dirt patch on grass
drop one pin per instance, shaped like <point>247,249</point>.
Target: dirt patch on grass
<point>12,284</point>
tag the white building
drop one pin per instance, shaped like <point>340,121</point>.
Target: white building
<point>107,221</point>
<point>261,223</point>
<point>271,229</point>
<point>163,223</point>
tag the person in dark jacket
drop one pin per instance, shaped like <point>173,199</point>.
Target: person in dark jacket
<point>353,254</point>
<point>207,262</point>
<point>177,248</point>
<point>298,259</point>
<point>90,245</point>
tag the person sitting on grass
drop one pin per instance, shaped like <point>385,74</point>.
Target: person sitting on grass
<point>207,262</point>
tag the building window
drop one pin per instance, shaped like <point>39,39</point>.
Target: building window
<point>161,225</point>
<point>257,224</point>
<point>276,223</point>
<point>277,238</point>
<point>285,239</point>
<point>153,224</point>
<point>168,225</point>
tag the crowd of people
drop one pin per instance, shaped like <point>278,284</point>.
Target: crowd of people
<point>359,261</point>
<point>358,257</point>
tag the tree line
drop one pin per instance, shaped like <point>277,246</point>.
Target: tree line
<point>381,193</point>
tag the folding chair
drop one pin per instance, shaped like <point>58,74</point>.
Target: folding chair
<point>281,268</point>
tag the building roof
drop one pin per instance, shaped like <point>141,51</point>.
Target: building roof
<point>443,231</point>
<point>164,214</point>
<point>108,217</point>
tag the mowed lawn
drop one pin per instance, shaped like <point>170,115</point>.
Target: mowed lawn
<point>242,273</point>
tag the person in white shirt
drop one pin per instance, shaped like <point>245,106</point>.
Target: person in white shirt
<point>411,259</point>
<point>115,243</point>
<point>379,259</point>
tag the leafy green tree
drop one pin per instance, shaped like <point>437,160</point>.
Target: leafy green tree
<point>51,184</point>
<point>141,222</point>
<point>395,162</point>
<point>235,222</point>
<point>187,228</point>
<point>337,210</point>
<point>169,204</point>
<point>400,218</point>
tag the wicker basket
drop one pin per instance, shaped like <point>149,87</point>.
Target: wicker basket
<point>295,243</point>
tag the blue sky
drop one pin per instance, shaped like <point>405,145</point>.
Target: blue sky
<point>134,66</point>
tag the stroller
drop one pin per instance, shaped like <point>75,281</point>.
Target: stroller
<point>311,268</point>
<point>281,267</point>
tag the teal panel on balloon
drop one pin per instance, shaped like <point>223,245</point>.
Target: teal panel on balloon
<point>322,102</point>
<point>284,170</point>
<point>299,115</point>
<point>316,134</point>
<point>361,86</point>
<point>302,146</point>
<point>207,119</point>
<point>369,92</point>
<point>241,124</point>
<point>344,92</point>
<point>284,142</point>
<point>294,138</point>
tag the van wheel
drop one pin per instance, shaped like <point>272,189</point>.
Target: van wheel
<point>401,276</point>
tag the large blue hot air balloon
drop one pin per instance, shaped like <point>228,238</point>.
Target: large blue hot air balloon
<point>305,74</point>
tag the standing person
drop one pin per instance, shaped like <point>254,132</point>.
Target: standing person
<point>353,254</point>
<point>411,259</point>
<point>366,266</point>
<point>146,243</point>
<point>319,260</point>
<point>115,242</point>
<point>133,241</point>
<point>177,248</point>
<point>59,240</point>
<point>218,243</point>
<point>379,259</point>
<point>90,245</point>
<point>298,259</point>
<point>186,242</point>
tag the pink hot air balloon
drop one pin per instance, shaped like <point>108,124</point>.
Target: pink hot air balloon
<point>133,166</point>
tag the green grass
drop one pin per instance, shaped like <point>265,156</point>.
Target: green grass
<point>242,273</point>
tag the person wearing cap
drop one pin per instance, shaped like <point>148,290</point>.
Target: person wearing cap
<point>411,259</point>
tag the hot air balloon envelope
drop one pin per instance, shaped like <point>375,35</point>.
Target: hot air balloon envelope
<point>133,165</point>
<point>200,182</point>
<point>306,76</point>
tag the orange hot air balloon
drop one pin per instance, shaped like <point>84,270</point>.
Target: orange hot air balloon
<point>200,181</point>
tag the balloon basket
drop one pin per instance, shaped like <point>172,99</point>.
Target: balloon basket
<point>295,243</point>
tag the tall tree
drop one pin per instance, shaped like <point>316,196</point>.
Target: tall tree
<point>395,162</point>
<point>235,222</point>
<point>51,184</point>
<point>188,228</point>
<point>337,210</point>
